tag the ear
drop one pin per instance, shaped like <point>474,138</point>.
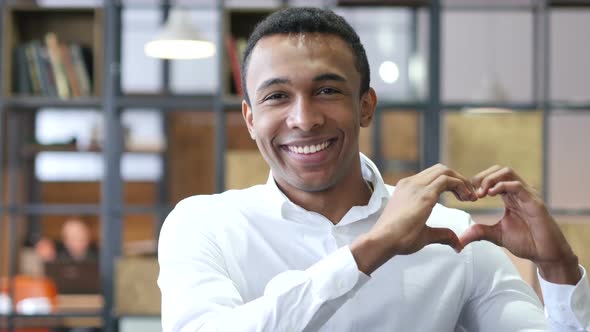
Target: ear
<point>368,106</point>
<point>249,118</point>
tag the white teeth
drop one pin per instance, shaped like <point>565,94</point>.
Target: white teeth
<point>307,149</point>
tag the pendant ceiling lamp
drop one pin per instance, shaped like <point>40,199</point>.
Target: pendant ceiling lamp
<point>178,39</point>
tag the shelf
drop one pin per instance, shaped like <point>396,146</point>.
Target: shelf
<point>72,314</point>
<point>36,102</point>
<point>145,209</point>
<point>33,149</point>
<point>178,103</point>
<point>400,105</point>
<point>401,166</point>
<point>512,106</point>
<point>62,319</point>
<point>562,105</point>
<point>81,209</point>
<point>569,3</point>
<point>168,102</point>
<point>53,209</point>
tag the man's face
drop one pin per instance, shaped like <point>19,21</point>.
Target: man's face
<point>306,112</point>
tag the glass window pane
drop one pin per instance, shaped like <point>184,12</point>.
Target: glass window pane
<point>139,73</point>
<point>144,130</point>
<point>79,135</point>
<point>487,57</point>
<point>55,126</point>
<point>199,75</point>
<point>569,160</point>
<point>392,47</point>
<point>68,166</point>
<point>474,142</point>
<point>570,57</point>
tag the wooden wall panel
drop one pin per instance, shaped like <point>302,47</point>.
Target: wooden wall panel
<point>191,165</point>
<point>474,142</point>
<point>400,136</point>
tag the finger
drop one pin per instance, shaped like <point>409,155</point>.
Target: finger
<point>516,188</point>
<point>431,173</point>
<point>476,180</point>
<point>480,232</point>
<point>443,236</point>
<point>502,174</point>
<point>459,186</point>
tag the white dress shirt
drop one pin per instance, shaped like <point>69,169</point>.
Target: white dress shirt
<point>251,260</point>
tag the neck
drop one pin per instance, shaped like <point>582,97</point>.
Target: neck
<point>334,202</point>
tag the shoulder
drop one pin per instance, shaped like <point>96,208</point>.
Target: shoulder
<point>204,213</point>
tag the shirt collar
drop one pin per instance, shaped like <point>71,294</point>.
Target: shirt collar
<point>282,206</point>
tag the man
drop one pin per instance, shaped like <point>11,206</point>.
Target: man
<point>77,242</point>
<point>325,245</point>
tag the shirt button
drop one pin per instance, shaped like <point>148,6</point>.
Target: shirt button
<point>561,307</point>
<point>340,285</point>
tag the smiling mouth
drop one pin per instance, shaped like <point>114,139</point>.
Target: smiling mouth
<point>309,149</point>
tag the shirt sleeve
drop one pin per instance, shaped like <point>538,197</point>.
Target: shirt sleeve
<point>498,299</point>
<point>567,307</point>
<point>198,293</point>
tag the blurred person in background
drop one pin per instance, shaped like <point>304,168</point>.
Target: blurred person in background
<point>77,244</point>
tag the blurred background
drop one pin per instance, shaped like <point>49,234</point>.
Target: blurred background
<point>104,129</point>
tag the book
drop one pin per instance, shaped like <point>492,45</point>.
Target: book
<point>70,71</point>
<point>21,78</point>
<point>58,71</point>
<point>52,69</point>
<point>33,70</point>
<point>82,69</point>
<point>230,44</point>
<point>42,67</point>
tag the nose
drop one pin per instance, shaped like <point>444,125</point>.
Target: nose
<point>304,116</point>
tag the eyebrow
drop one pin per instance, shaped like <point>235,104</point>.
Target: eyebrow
<point>271,82</point>
<point>329,77</point>
<point>281,80</point>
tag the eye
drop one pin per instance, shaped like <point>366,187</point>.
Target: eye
<point>327,91</point>
<point>275,96</point>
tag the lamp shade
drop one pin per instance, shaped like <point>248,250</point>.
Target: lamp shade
<point>178,39</point>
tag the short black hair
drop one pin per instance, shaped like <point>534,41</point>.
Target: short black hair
<point>307,19</point>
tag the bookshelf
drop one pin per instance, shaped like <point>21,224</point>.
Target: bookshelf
<point>405,137</point>
<point>27,23</point>
<point>239,24</point>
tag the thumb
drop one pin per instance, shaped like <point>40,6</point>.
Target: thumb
<point>443,236</point>
<point>480,232</point>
